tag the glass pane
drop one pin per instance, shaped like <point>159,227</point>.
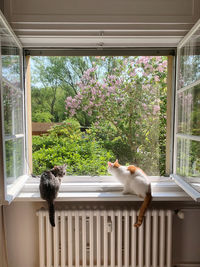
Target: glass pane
<point>10,55</point>
<point>13,109</point>
<point>188,157</point>
<point>189,111</point>
<point>14,158</point>
<point>190,61</point>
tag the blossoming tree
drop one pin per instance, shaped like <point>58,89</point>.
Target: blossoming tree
<point>130,99</point>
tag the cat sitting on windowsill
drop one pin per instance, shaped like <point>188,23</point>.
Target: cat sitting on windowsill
<point>136,182</point>
<point>49,186</point>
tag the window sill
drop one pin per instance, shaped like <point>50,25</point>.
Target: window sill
<point>105,188</point>
<point>15,188</point>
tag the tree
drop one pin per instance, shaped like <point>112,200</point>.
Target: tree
<point>129,98</point>
<point>53,79</point>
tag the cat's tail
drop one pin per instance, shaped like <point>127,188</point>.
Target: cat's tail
<point>51,213</point>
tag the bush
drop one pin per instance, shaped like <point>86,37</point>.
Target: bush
<point>41,117</point>
<point>65,143</point>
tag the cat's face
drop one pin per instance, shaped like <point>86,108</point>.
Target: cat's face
<point>113,166</point>
<point>59,170</point>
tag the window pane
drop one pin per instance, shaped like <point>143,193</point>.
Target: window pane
<point>14,158</point>
<point>13,109</point>
<point>189,111</point>
<point>190,61</point>
<point>10,55</point>
<point>109,107</point>
<point>188,157</point>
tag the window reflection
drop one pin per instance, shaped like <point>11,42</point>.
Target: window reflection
<point>11,64</point>
<point>189,111</point>
<point>13,101</point>
<point>188,158</point>
<point>190,61</point>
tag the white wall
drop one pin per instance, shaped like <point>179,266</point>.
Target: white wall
<point>22,235</point>
<point>186,237</point>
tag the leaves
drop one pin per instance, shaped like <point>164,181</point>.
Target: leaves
<point>121,101</point>
<point>82,153</point>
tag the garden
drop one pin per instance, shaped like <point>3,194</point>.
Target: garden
<point>110,107</point>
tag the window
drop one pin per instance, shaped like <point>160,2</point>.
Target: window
<point>109,107</point>
<point>187,137</point>
<point>13,166</point>
<point>152,106</point>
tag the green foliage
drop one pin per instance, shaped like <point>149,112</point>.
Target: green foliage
<point>120,100</point>
<point>127,103</point>
<point>107,135</point>
<point>49,103</point>
<point>82,153</point>
<point>41,117</point>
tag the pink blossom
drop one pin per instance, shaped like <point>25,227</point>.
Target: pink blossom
<point>111,89</point>
<point>144,106</point>
<point>133,73</point>
<point>160,68</point>
<point>93,91</point>
<point>85,108</point>
<point>117,82</point>
<point>72,112</point>
<point>156,109</point>
<point>69,98</point>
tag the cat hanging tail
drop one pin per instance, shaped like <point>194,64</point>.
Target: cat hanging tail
<point>51,213</point>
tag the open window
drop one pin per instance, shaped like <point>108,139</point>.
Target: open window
<point>13,163</point>
<point>101,107</point>
<point>187,122</point>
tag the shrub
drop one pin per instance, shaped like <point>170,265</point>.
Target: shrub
<point>65,143</point>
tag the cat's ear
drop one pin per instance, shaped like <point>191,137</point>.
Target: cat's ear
<point>55,168</point>
<point>110,164</point>
<point>116,163</point>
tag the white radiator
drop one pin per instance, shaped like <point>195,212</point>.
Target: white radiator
<point>105,238</point>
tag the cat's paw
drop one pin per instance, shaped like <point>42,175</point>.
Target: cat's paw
<point>125,192</point>
<point>138,223</point>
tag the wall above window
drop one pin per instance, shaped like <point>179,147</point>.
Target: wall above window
<point>101,23</point>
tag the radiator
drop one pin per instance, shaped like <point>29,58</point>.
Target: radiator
<point>105,238</point>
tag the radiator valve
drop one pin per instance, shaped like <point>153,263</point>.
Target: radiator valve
<point>180,214</point>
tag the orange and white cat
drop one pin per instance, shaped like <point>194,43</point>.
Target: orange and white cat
<point>136,182</point>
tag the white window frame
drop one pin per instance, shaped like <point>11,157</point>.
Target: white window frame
<point>182,181</point>
<point>7,195</point>
<point>8,191</point>
<point>108,188</point>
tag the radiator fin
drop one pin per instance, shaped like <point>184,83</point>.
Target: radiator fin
<point>105,238</point>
